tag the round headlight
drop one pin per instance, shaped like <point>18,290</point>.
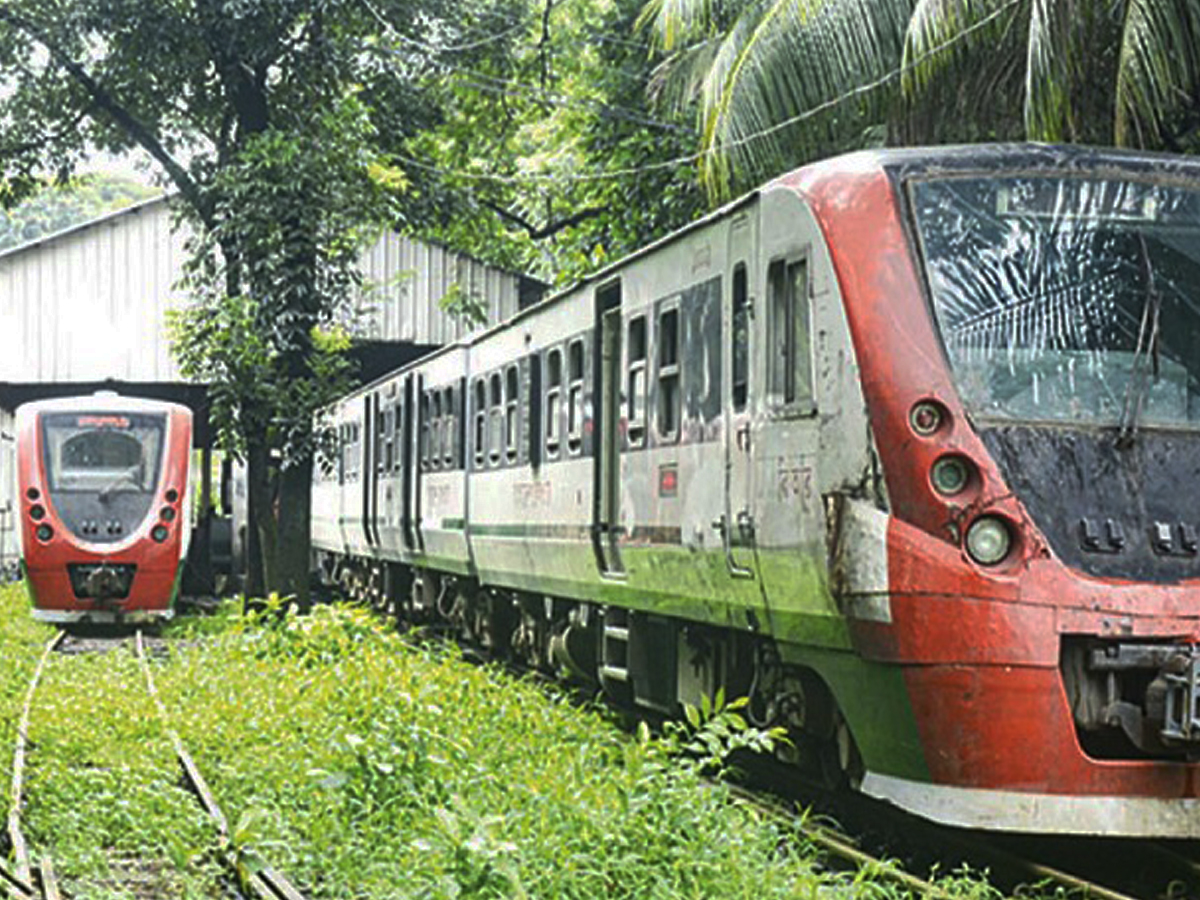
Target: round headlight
<point>159,533</point>
<point>44,532</point>
<point>172,495</point>
<point>988,540</point>
<point>33,493</point>
<point>950,475</point>
<point>37,512</point>
<point>926,417</point>
<point>167,514</point>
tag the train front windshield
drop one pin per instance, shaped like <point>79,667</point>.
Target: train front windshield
<point>112,453</point>
<point>1067,299</point>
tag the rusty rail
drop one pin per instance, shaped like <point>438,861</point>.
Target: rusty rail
<point>19,882</point>
<point>266,883</point>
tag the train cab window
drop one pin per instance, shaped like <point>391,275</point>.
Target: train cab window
<point>668,373</point>
<point>495,419</point>
<point>480,434</point>
<point>789,367</point>
<point>739,338</point>
<point>511,400</point>
<point>553,401</point>
<point>435,431</point>
<point>575,396</point>
<point>448,424</point>
<point>102,452</point>
<point>635,413</point>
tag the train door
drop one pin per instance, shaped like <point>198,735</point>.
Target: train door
<point>607,481</point>
<point>788,518</point>
<point>421,461</point>
<point>404,441</point>
<point>736,525</point>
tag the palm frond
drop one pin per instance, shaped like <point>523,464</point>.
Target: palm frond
<point>1051,55</point>
<point>1158,68</point>
<point>781,85</point>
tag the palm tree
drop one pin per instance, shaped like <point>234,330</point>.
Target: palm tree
<point>776,82</point>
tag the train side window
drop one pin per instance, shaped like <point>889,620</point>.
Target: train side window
<point>636,412</point>
<point>495,419</point>
<point>575,396</point>
<point>789,368</point>
<point>437,431</point>
<point>511,400</point>
<point>449,420</point>
<point>382,446</point>
<point>398,435</point>
<point>553,401</point>
<point>668,373</point>
<point>423,450</point>
<point>480,434</point>
<point>739,338</point>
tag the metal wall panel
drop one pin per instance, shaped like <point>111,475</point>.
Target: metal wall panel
<point>90,303</point>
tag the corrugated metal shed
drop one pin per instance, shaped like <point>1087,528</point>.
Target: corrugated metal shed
<point>89,304</point>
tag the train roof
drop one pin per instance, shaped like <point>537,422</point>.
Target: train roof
<point>105,401</point>
<point>904,162</point>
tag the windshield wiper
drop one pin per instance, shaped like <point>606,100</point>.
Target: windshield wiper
<point>125,478</point>
<point>1145,368</point>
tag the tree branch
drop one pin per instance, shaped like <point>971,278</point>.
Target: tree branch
<point>129,123</point>
<point>536,232</point>
<point>26,146</point>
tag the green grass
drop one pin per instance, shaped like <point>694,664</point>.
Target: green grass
<point>365,767</point>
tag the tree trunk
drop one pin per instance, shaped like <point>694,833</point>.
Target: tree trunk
<point>260,524</point>
<point>293,558</point>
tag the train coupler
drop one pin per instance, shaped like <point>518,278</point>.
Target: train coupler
<point>1181,700</point>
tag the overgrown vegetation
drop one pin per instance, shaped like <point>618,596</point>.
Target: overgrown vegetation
<point>365,766</point>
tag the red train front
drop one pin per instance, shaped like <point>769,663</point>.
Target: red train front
<point>102,483</point>
<point>1027,322</point>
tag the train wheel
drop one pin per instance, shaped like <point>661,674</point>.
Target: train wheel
<point>842,764</point>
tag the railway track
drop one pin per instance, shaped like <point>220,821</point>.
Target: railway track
<point>30,878</point>
<point>890,844</point>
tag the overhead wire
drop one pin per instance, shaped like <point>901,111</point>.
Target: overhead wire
<point>690,158</point>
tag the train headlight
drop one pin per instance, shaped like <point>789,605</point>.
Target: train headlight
<point>44,532</point>
<point>37,512</point>
<point>926,417</point>
<point>167,514</point>
<point>159,533</point>
<point>33,493</point>
<point>950,475</point>
<point>989,539</point>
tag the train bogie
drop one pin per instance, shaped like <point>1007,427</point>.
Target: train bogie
<point>105,506</point>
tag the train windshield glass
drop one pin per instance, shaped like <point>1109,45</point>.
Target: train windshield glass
<point>118,452</point>
<point>1067,299</point>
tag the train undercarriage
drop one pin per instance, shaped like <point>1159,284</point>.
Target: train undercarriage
<point>654,663</point>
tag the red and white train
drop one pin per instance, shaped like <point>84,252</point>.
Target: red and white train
<point>904,445</point>
<point>103,506</point>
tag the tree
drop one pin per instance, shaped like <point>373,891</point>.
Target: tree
<point>779,82</point>
<point>551,159</point>
<point>55,208</point>
<point>274,121</point>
